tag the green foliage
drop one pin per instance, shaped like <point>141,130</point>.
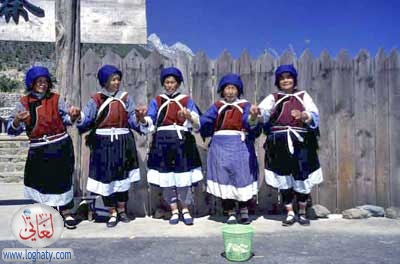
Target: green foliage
<point>9,85</point>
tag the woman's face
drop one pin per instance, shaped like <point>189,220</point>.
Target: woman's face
<point>41,85</point>
<point>114,83</point>
<point>230,93</point>
<point>170,85</point>
<point>286,82</point>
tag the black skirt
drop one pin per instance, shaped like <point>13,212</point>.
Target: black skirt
<point>48,173</point>
<point>112,164</point>
<point>300,164</point>
<point>169,153</point>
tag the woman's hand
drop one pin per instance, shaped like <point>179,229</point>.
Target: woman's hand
<point>303,116</point>
<point>185,114</point>
<point>140,113</point>
<point>21,116</point>
<point>74,112</point>
<point>254,112</point>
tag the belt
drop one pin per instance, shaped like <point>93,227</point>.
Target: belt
<point>112,132</point>
<point>242,134</point>
<point>46,138</point>
<point>37,142</point>
<point>290,130</point>
<point>175,127</point>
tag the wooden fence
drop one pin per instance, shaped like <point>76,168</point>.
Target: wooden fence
<point>358,99</point>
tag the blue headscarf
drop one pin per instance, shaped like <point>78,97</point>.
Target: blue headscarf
<point>171,71</point>
<point>233,79</point>
<point>285,68</point>
<point>105,73</point>
<point>35,72</point>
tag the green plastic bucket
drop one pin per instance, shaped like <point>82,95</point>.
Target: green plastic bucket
<point>238,242</point>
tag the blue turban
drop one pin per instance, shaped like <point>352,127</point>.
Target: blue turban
<point>171,71</point>
<point>105,73</point>
<point>285,68</point>
<point>35,72</point>
<point>233,79</point>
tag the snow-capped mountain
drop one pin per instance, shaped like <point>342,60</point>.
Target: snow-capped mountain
<point>154,43</point>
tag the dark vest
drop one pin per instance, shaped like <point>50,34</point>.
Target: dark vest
<point>281,114</point>
<point>168,115</point>
<point>230,118</point>
<point>44,116</point>
<point>114,114</point>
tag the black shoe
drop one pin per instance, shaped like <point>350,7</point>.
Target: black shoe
<point>231,220</point>
<point>69,222</point>
<point>187,218</point>
<point>289,222</point>
<point>112,221</point>
<point>123,217</point>
<point>245,221</point>
<point>302,220</point>
<point>174,220</point>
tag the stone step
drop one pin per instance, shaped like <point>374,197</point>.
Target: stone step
<point>12,158</point>
<point>12,166</point>
<point>14,144</point>
<point>10,191</point>
<point>11,177</point>
<point>13,151</point>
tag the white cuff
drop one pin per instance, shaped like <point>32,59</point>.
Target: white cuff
<point>309,118</point>
<point>145,124</point>
<point>265,115</point>
<point>80,119</point>
<point>15,128</point>
<point>70,120</point>
<point>148,127</point>
<point>195,120</point>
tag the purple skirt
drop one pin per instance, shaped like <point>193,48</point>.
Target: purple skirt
<point>232,168</point>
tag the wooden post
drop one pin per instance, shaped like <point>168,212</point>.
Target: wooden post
<point>264,75</point>
<point>287,58</point>
<point>343,85</point>
<point>202,89</point>
<point>135,83</point>
<point>382,143</point>
<point>68,66</point>
<point>394,125</point>
<point>364,95</point>
<point>182,62</point>
<point>324,97</point>
<point>90,63</point>
<point>246,69</point>
<point>223,65</point>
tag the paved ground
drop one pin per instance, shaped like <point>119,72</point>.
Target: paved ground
<point>147,240</point>
<point>282,247</point>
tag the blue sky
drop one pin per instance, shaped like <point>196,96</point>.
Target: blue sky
<point>258,25</point>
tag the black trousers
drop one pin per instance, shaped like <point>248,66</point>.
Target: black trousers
<point>230,204</point>
<point>288,195</point>
<point>68,206</point>
<point>113,199</point>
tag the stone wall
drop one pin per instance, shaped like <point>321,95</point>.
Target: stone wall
<point>7,104</point>
<point>9,99</point>
<point>13,153</point>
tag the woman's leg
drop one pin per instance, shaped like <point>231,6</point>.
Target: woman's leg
<point>229,207</point>
<point>122,199</point>
<point>111,202</point>
<point>287,198</point>
<point>170,196</point>
<point>185,198</point>
<point>244,212</point>
<point>65,211</point>
<point>302,201</point>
